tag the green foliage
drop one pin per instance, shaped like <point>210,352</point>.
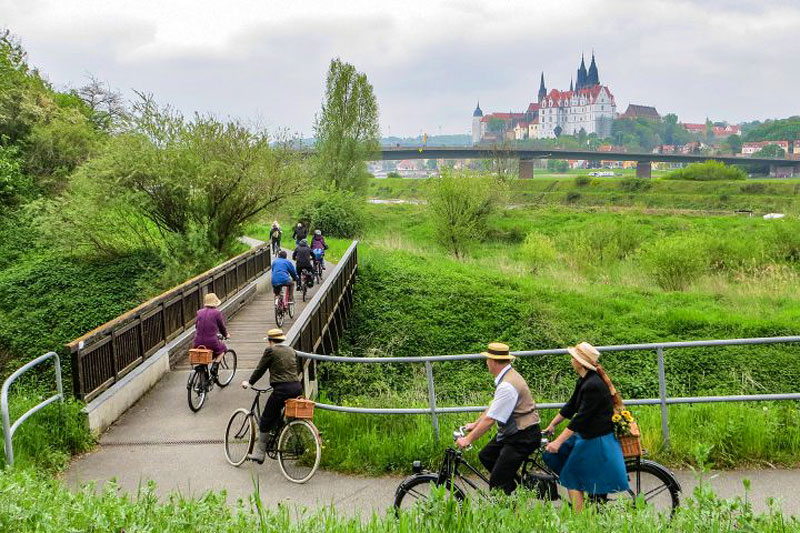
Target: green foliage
<point>14,185</point>
<point>458,206</point>
<point>675,262</point>
<point>635,184</point>
<point>707,171</point>
<point>642,135</point>
<point>346,130</point>
<point>773,130</point>
<point>557,165</point>
<point>734,143</point>
<point>538,251</point>
<point>36,503</point>
<point>338,213</point>
<point>770,150</point>
<point>582,181</point>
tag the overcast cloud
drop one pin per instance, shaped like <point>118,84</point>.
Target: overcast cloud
<point>429,61</point>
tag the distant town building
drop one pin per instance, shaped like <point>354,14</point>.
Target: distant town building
<point>635,111</point>
<point>586,106</point>
<point>718,131</point>
<point>752,147</point>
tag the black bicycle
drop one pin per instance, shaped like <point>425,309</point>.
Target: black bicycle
<point>654,483</point>
<point>318,259</point>
<point>295,443</point>
<point>201,381</point>
<point>276,247</point>
<point>305,280</point>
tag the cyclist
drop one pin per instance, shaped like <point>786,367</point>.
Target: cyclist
<point>283,273</point>
<point>275,235</point>
<point>302,260</point>
<point>514,411</point>
<point>318,247</point>
<point>210,322</point>
<point>283,366</point>
<point>300,232</point>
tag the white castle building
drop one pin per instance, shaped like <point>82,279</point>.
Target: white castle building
<point>588,106</point>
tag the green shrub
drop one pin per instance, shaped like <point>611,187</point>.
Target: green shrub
<point>393,174</point>
<point>675,262</point>
<point>707,171</point>
<point>582,181</point>
<point>538,251</point>
<point>635,184</point>
<point>558,165</point>
<point>572,197</point>
<point>334,212</point>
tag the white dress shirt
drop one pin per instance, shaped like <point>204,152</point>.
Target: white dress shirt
<point>505,398</point>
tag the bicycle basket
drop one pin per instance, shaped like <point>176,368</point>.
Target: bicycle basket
<point>631,444</point>
<point>299,408</point>
<point>200,355</point>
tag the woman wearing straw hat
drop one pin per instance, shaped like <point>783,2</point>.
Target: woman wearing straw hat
<point>210,322</point>
<point>514,411</point>
<point>587,456</point>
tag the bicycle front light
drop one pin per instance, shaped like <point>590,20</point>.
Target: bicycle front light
<point>416,467</point>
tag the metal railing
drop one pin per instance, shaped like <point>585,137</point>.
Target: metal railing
<point>321,324</point>
<point>8,428</point>
<point>663,400</point>
<point>106,354</point>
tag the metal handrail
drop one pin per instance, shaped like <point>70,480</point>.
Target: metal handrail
<point>663,400</point>
<point>8,428</point>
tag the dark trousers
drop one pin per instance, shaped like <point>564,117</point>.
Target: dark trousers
<point>272,410</point>
<point>503,459</point>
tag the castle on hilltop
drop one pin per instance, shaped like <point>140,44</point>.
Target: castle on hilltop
<point>587,106</point>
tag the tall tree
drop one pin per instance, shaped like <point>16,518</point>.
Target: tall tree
<point>346,129</point>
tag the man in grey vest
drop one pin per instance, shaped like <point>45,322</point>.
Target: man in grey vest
<point>514,411</point>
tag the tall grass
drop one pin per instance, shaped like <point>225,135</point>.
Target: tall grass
<point>31,503</point>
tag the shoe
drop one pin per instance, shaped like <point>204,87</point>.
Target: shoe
<point>214,369</point>
<point>260,450</point>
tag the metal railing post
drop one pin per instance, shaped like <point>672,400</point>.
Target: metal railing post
<point>662,393</point>
<point>9,450</point>
<point>432,399</point>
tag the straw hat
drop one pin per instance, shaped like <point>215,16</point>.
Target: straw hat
<point>498,351</point>
<point>211,300</point>
<point>275,335</point>
<point>586,354</point>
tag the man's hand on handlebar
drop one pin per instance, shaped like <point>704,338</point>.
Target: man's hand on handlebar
<point>470,426</point>
<point>245,384</point>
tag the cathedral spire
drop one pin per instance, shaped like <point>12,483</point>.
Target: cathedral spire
<point>542,89</point>
<point>570,86</point>
<point>582,76</point>
<point>593,77</point>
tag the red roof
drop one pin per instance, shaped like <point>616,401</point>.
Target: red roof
<point>590,93</point>
<point>694,127</point>
<point>533,107</point>
<point>503,116</point>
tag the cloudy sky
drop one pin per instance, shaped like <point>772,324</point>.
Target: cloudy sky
<point>265,61</point>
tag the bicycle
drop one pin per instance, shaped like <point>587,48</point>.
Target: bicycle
<point>319,255</point>
<point>303,283</point>
<point>201,382</point>
<point>283,306</point>
<point>295,443</point>
<point>646,478</point>
<point>276,247</point>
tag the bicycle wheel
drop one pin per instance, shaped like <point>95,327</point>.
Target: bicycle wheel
<point>653,483</point>
<point>196,390</point>
<point>278,313</point>
<point>299,450</point>
<point>240,436</point>
<point>227,368</point>
<point>290,309</point>
<point>303,287</point>
<point>319,271</point>
<point>418,489</point>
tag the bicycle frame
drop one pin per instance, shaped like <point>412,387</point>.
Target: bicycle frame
<point>449,470</point>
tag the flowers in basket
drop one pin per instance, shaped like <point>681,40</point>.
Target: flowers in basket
<point>622,423</point>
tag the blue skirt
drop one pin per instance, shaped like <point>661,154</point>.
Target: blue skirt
<point>595,466</point>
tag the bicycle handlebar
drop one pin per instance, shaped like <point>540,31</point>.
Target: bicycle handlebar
<point>461,432</point>
<point>268,389</point>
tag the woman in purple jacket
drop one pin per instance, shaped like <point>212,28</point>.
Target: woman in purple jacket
<point>210,322</point>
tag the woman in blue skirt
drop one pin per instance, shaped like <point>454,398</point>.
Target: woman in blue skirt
<point>587,456</point>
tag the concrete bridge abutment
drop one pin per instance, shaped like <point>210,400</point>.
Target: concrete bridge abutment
<point>526,168</point>
<point>644,169</point>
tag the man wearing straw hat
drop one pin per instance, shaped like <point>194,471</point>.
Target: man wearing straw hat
<point>514,411</point>
<point>281,361</point>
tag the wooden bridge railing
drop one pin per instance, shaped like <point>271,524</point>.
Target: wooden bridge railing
<point>107,353</point>
<point>321,324</point>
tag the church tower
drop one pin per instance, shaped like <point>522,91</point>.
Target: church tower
<point>593,77</point>
<point>542,89</point>
<point>582,76</point>
<point>477,115</point>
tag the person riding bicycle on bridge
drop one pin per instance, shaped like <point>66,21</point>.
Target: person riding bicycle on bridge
<point>302,257</point>
<point>514,411</point>
<point>587,456</point>
<point>275,235</point>
<point>300,232</point>
<point>318,247</point>
<point>208,325</point>
<point>284,367</point>
<point>283,274</point>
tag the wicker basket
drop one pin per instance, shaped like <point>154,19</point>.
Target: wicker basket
<point>631,444</point>
<point>200,356</point>
<point>299,408</point>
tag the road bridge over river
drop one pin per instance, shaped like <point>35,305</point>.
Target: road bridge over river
<point>157,438</point>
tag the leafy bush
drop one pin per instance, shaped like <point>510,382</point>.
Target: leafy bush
<point>675,262</point>
<point>557,165</point>
<point>337,213</point>
<point>538,251</point>
<point>707,171</point>
<point>14,185</point>
<point>572,197</point>
<point>635,184</point>
<point>582,181</point>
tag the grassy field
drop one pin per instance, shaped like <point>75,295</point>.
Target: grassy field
<point>31,503</point>
<point>578,189</point>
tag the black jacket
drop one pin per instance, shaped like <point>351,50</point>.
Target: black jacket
<point>300,233</point>
<point>302,256</point>
<point>590,407</point>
